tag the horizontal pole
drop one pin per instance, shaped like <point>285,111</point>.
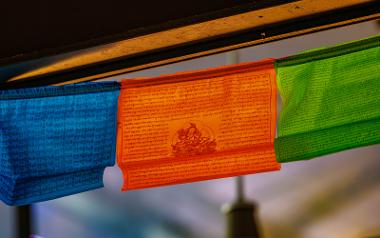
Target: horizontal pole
<point>91,66</point>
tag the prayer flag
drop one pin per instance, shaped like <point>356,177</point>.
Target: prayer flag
<point>198,125</point>
<point>331,100</point>
<point>56,141</point>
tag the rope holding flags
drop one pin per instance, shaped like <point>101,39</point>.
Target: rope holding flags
<point>187,127</point>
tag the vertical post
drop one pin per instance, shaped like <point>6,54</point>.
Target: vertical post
<point>241,214</point>
<point>233,57</point>
<point>23,221</point>
<point>240,189</point>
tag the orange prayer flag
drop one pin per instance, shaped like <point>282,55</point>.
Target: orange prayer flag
<point>196,126</point>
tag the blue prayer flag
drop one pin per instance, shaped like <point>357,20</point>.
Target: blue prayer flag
<point>56,141</point>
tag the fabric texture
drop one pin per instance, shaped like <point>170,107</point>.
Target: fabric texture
<point>331,100</point>
<point>56,141</point>
<point>197,126</point>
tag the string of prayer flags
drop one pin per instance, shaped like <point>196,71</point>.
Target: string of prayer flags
<point>196,126</point>
<point>331,100</point>
<point>188,127</point>
<point>56,141</point>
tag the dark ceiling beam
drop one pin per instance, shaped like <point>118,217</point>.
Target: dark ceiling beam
<point>190,41</point>
<point>31,30</point>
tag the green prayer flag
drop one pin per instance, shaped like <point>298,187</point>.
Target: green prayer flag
<point>331,100</point>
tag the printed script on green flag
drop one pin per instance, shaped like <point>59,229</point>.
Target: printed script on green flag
<point>331,100</point>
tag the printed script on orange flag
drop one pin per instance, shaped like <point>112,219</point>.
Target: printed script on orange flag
<point>197,126</point>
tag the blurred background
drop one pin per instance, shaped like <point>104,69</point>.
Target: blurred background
<point>335,196</point>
